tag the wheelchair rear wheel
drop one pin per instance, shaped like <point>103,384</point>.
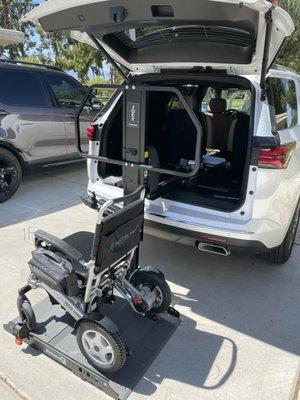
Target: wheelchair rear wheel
<point>151,281</point>
<point>103,350</point>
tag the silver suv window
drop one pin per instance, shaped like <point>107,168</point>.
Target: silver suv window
<point>65,91</point>
<point>283,103</point>
<point>21,88</point>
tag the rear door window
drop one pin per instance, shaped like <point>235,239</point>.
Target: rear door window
<point>283,103</point>
<point>210,94</point>
<point>21,88</point>
<point>237,99</point>
<point>66,92</point>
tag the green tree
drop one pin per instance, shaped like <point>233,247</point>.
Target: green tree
<point>10,13</point>
<point>60,49</point>
<point>290,52</point>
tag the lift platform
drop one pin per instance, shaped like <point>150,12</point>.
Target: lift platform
<point>145,338</point>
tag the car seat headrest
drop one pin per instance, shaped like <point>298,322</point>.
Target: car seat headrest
<point>217,105</point>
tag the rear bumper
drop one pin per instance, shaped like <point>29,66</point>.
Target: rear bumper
<point>188,237</point>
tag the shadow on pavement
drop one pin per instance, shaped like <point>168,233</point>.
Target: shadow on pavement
<point>244,293</point>
<point>190,359</point>
<point>42,194</point>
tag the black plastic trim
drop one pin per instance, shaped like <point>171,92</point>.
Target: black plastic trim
<point>250,247</point>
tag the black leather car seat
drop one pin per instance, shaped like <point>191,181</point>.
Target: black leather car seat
<point>220,127</point>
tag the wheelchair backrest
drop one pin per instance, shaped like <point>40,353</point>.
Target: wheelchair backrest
<point>118,234</point>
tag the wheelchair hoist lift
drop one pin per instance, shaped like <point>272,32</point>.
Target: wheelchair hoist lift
<point>82,324</point>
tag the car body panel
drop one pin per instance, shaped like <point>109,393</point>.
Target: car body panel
<point>33,129</point>
<point>66,115</point>
<point>42,135</point>
<point>37,132</point>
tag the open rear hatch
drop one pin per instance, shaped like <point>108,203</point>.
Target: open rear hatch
<point>142,35</point>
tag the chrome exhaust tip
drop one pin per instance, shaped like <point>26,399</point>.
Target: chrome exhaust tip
<point>213,248</point>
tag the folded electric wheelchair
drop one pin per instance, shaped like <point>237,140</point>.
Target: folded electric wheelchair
<point>85,270</point>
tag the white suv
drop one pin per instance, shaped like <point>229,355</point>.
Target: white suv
<point>215,131</point>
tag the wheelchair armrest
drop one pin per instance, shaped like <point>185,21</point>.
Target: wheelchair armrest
<point>59,244</point>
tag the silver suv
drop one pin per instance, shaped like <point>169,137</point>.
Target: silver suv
<point>37,107</point>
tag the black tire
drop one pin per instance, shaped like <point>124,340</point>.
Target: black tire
<point>113,339</point>
<point>29,315</point>
<point>153,280</point>
<point>282,253</point>
<point>10,181</point>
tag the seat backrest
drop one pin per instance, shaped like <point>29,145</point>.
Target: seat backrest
<point>220,127</point>
<point>240,145</point>
<point>182,133</point>
<point>153,177</point>
<point>118,234</point>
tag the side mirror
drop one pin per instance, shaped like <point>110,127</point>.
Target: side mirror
<point>96,104</point>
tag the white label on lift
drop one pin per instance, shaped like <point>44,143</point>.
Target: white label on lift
<point>133,115</point>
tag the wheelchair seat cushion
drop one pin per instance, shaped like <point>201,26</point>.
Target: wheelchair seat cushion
<point>82,242</point>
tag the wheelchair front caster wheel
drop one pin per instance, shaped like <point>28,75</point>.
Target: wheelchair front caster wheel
<point>103,350</point>
<point>151,281</point>
<point>28,315</point>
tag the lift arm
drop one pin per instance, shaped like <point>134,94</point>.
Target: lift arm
<point>141,166</point>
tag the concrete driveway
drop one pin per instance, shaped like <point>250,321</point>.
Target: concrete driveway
<point>239,338</point>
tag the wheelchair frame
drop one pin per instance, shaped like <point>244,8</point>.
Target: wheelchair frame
<point>94,285</point>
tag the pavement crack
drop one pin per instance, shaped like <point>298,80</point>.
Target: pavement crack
<point>13,387</point>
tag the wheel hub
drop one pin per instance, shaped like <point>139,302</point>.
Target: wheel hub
<point>7,174</point>
<point>98,348</point>
<point>146,289</point>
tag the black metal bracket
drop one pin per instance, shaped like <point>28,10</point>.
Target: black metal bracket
<point>22,297</point>
<point>172,311</point>
<point>143,167</point>
<point>265,61</point>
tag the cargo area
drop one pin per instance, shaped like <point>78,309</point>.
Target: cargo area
<point>223,107</point>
